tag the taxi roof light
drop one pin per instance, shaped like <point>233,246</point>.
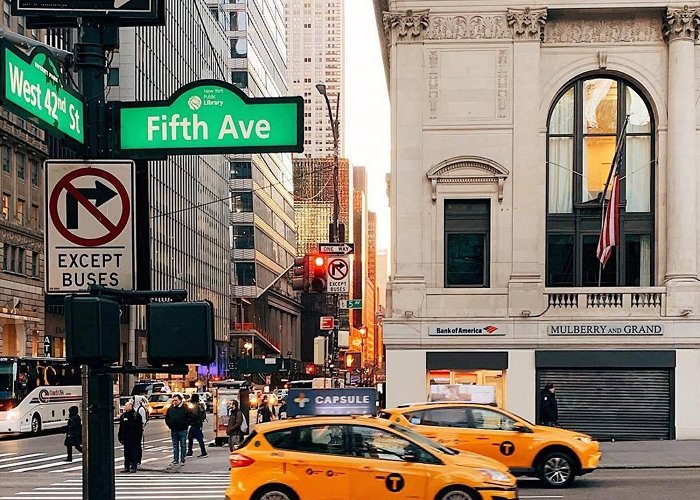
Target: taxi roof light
<point>239,460</point>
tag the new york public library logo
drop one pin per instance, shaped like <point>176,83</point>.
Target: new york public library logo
<point>607,329</point>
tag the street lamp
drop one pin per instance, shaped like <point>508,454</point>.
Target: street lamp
<point>248,346</point>
<point>321,87</point>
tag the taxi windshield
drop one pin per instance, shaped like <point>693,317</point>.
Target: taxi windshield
<point>423,440</point>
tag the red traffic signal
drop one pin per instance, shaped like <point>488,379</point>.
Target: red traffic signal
<point>310,369</point>
<point>317,273</point>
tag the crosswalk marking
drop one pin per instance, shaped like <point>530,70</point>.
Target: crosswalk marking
<point>139,486</point>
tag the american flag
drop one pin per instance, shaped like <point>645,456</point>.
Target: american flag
<point>610,232</point>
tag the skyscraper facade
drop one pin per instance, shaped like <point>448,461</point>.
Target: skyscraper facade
<point>265,311</point>
<point>22,152</point>
<point>315,45</point>
<point>313,200</point>
<point>188,194</point>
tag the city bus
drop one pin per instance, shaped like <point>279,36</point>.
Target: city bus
<point>36,393</point>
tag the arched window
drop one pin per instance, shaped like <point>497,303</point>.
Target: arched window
<point>584,124</point>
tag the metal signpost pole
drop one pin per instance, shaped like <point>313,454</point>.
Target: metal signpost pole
<point>98,457</point>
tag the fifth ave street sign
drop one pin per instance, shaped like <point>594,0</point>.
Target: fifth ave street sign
<point>32,88</point>
<point>208,117</point>
<point>102,8</point>
<point>89,225</point>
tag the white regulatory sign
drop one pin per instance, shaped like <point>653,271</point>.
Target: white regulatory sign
<point>338,275</point>
<point>90,231</point>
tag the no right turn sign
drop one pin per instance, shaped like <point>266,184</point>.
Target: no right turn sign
<point>89,225</point>
<point>338,275</point>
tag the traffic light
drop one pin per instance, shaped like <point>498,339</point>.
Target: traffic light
<point>180,333</point>
<point>300,274</point>
<point>310,369</point>
<point>92,330</point>
<point>317,273</point>
<point>352,360</point>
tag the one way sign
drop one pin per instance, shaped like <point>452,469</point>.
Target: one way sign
<point>89,225</point>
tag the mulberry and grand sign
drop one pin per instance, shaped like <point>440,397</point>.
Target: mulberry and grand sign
<point>211,117</point>
<point>476,329</point>
<point>640,328</point>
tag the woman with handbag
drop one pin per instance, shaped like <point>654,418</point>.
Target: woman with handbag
<point>74,433</point>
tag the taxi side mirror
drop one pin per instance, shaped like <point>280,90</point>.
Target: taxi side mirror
<point>522,428</point>
<point>409,457</point>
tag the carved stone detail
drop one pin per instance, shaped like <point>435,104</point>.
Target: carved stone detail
<point>616,30</point>
<point>409,26</point>
<point>527,23</point>
<point>476,27</point>
<point>502,95</point>
<point>681,23</point>
<point>494,173</point>
<point>433,82</point>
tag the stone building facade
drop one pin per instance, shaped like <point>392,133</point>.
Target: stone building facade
<point>505,122</point>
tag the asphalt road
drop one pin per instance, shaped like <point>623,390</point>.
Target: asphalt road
<point>626,484</point>
<point>47,451</point>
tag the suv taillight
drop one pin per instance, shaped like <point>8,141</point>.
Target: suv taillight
<point>238,460</point>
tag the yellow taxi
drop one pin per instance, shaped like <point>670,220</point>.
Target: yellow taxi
<point>158,404</point>
<point>554,455</point>
<point>339,458</point>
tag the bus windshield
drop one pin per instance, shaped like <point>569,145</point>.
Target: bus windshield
<point>7,378</point>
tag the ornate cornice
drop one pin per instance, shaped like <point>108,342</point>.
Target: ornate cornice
<point>527,23</point>
<point>681,23</point>
<point>475,27</point>
<point>444,173</point>
<point>408,26</point>
<point>616,30</point>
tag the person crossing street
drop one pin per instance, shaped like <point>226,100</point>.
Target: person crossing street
<point>199,416</point>
<point>130,433</point>
<point>178,418</point>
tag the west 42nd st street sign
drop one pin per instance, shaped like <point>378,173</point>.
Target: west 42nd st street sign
<point>33,89</point>
<point>211,116</point>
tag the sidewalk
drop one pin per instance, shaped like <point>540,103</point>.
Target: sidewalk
<point>650,455</point>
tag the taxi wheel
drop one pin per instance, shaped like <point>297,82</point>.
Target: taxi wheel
<point>457,493</point>
<point>556,470</point>
<point>275,492</point>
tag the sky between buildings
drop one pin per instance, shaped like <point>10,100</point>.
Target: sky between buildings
<point>367,121</point>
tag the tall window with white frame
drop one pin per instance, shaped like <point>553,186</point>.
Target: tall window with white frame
<point>467,230</point>
<point>584,125</point>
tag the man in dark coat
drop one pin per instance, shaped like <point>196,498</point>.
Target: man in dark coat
<point>549,412</point>
<point>74,433</point>
<point>233,428</point>
<point>130,432</point>
<point>178,418</point>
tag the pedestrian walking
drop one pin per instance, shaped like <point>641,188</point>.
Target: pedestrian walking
<point>130,434</point>
<point>265,413</point>
<point>234,428</point>
<point>178,419</point>
<point>549,412</point>
<point>282,412</point>
<point>141,407</point>
<point>199,416</point>
<point>74,433</point>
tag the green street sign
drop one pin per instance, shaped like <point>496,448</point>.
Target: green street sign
<point>351,304</point>
<point>32,88</point>
<point>211,116</point>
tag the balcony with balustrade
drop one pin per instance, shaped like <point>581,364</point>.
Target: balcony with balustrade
<point>613,302</point>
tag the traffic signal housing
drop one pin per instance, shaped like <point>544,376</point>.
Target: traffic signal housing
<point>92,330</point>
<point>318,273</point>
<point>180,333</point>
<point>300,274</point>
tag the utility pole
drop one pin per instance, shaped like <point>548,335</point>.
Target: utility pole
<point>335,126</point>
<point>98,430</point>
